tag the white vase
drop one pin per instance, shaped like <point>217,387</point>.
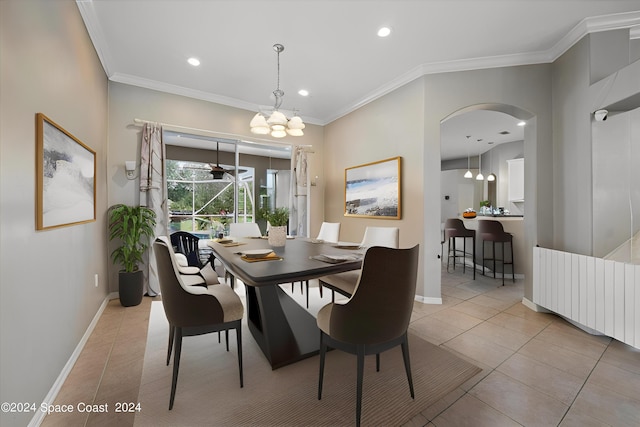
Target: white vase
<point>278,235</point>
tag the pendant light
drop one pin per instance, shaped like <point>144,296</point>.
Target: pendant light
<point>277,124</point>
<point>468,173</point>
<point>480,177</point>
<point>492,176</point>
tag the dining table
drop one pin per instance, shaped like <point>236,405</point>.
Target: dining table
<point>284,330</point>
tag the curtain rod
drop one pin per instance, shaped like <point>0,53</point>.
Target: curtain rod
<point>233,135</point>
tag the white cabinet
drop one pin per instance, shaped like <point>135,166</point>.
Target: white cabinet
<point>516,180</point>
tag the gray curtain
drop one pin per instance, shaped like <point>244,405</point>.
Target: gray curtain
<point>153,194</point>
<point>300,193</point>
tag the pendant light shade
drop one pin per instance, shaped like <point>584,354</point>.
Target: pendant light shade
<point>468,173</point>
<point>277,124</point>
<point>480,177</point>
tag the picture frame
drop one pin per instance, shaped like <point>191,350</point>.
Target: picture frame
<point>65,177</point>
<point>373,190</point>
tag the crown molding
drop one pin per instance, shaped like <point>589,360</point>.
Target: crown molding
<point>95,33</point>
<point>586,26</point>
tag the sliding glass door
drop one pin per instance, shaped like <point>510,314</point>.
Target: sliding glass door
<point>213,182</point>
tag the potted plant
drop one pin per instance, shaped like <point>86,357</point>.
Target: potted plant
<point>132,225</point>
<point>278,220</point>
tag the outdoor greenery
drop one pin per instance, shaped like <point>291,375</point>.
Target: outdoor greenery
<point>192,191</point>
<point>130,224</point>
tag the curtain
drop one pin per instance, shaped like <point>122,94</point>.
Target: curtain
<point>153,194</point>
<point>300,191</point>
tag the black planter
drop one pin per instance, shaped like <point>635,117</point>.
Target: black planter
<point>130,286</point>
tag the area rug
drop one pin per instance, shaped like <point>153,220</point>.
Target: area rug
<point>209,394</point>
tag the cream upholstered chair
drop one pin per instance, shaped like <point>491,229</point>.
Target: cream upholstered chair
<point>330,233</point>
<point>377,315</point>
<point>244,229</point>
<point>194,310</point>
<point>345,283</point>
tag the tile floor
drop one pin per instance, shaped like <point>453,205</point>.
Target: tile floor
<point>538,370</point>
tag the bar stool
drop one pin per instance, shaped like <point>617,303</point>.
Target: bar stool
<point>454,228</point>
<point>492,231</point>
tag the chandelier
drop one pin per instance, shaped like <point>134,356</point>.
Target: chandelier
<point>277,124</point>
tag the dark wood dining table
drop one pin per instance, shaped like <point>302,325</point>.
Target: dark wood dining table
<point>284,330</point>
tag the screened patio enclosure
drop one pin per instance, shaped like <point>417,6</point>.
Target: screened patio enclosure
<point>212,182</point>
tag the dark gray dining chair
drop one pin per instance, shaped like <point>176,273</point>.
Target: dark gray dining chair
<point>377,315</point>
<point>194,310</point>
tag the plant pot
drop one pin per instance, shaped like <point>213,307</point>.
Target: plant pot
<point>278,235</point>
<point>130,287</point>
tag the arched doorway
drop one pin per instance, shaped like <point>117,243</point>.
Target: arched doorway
<point>485,138</point>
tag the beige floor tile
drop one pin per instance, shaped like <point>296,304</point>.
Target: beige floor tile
<point>575,418</point>
<point>475,310</point>
<point>500,335</point>
<point>582,344</point>
<point>463,294</point>
<point>519,324</point>
<point>547,379</point>
<point>559,357</point>
<point>479,349</point>
<point>456,318</point>
<point>607,406</point>
<point>434,330</point>
<point>494,303</point>
<point>623,356</point>
<point>518,401</point>
<point>470,411</point>
<point>617,379</point>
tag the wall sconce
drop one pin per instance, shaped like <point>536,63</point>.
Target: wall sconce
<point>130,169</point>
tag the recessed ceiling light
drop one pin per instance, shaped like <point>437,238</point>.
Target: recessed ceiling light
<point>303,92</point>
<point>522,123</point>
<point>194,61</point>
<point>384,32</point>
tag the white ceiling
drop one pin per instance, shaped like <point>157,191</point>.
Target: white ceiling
<point>331,46</point>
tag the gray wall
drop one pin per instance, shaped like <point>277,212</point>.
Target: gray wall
<point>412,129</point>
<point>127,103</point>
<point>47,292</point>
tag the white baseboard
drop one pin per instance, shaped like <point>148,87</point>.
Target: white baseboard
<point>533,306</point>
<point>57,385</point>
<point>428,300</point>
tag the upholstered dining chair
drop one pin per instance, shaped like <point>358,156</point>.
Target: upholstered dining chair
<point>345,283</point>
<point>377,315</point>
<point>194,310</point>
<point>244,229</point>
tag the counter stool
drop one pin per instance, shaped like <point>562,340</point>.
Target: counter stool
<point>453,229</point>
<point>492,231</point>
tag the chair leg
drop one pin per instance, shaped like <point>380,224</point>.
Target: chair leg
<point>504,267</point>
<point>377,362</point>
<point>360,362</point>
<point>306,282</point>
<point>320,287</point>
<point>226,336</point>
<point>176,365</point>
<point>170,349</point>
<point>323,350</point>
<point>407,363</point>
<point>493,254</point>
<point>513,264</point>
<point>239,343</point>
